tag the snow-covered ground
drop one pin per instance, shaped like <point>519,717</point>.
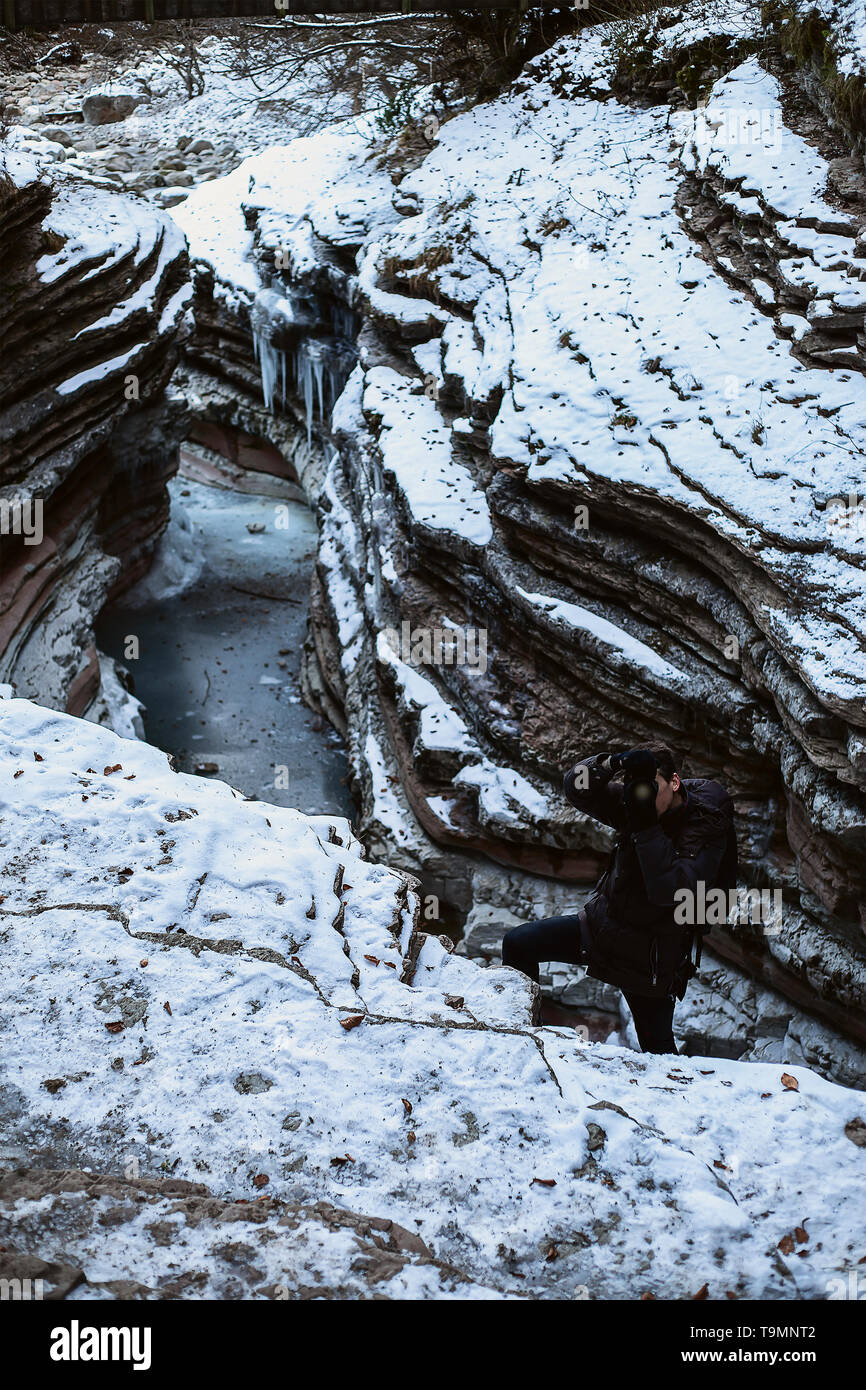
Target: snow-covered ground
<point>169,143</point>
<point>637,331</point>
<point>228,992</point>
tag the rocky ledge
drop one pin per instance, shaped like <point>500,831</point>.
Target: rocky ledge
<point>233,1064</point>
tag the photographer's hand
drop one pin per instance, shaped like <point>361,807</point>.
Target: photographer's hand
<point>614,761</point>
<point>638,764</point>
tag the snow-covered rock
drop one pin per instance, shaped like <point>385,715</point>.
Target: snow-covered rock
<point>96,294</point>
<point>228,995</point>
<point>607,411</point>
<point>103,105</point>
<point>173,1239</point>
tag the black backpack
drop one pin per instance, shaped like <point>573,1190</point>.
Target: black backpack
<point>712,794</point>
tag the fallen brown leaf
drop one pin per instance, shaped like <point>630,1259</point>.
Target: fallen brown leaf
<point>407,1106</point>
<point>115,767</point>
<point>702,1292</point>
<point>167,1007</point>
<point>351,1022</point>
<point>545,1182</point>
<point>855,1130</point>
<point>790,1082</point>
<point>261,1180</point>
<point>114,1027</point>
<point>786,1245</point>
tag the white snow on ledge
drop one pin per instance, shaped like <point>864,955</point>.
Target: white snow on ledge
<point>441,726</point>
<point>504,795</point>
<point>178,957</point>
<point>101,370</point>
<point>766,157</point>
<point>636,653</point>
<point>325,176</point>
<point>416,448</point>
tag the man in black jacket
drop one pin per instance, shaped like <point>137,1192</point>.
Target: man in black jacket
<point>634,931</point>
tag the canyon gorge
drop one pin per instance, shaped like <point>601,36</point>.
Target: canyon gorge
<point>572,377</point>
<point>619,602</point>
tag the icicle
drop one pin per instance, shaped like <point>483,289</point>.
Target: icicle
<point>270,313</point>
<point>305,386</point>
<point>339,367</point>
<point>343,319</point>
<point>268,360</point>
<point>265,356</point>
<point>318,372</point>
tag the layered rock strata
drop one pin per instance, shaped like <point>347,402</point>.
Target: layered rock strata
<point>96,292</point>
<point>585,426</point>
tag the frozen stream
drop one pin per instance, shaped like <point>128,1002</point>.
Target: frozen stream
<point>218,662</point>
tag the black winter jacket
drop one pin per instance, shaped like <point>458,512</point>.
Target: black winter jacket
<point>631,936</point>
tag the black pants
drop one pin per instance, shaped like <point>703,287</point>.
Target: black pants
<point>558,939</point>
